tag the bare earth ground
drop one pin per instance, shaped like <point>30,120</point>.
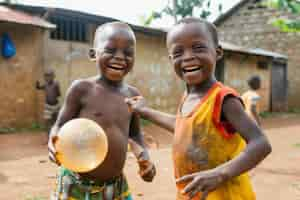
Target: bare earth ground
<point>26,173</point>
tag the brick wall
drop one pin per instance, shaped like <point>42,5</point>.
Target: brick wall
<point>18,97</point>
<point>240,67</point>
<point>250,26</point>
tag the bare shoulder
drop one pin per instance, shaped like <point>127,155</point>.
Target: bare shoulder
<point>232,104</point>
<point>133,91</point>
<point>80,86</point>
<point>56,83</point>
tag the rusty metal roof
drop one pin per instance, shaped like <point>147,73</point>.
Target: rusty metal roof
<point>14,16</point>
<point>146,30</point>
<point>256,51</point>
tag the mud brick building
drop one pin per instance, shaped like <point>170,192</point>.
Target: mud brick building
<point>248,24</point>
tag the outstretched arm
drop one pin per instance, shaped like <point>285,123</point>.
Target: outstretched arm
<point>164,120</point>
<point>39,86</point>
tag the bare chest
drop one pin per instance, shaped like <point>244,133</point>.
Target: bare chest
<point>51,90</point>
<point>107,108</point>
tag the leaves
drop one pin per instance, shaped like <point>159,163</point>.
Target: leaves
<point>287,25</point>
<point>293,6</point>
<point>182,8</point>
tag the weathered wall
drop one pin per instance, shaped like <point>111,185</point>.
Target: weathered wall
<point>153,74</point>
<point>18,97</point>
<point>249,26</point>
<point>240,67</point>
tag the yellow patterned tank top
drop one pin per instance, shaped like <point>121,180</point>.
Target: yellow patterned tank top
<point>203,141</point>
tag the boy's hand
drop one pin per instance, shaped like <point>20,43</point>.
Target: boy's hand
<point>136,104</point>
<point>52,150</point>
<point>147,170</point>
<point>203,182</point>
<point>37,84</point>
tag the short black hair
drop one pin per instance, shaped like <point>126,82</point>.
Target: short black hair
<point>254,82</point>
<point>102,27</point>
<point>210,27</point>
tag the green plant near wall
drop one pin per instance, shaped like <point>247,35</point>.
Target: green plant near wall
<point>178,9</point>
<point>286,24</point>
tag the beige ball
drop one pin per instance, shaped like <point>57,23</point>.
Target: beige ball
<point>81,145</point>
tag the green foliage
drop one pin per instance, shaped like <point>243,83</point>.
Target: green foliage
<point>10,1</point>
<point>182,8</point>
<point>297,145</point>
<point>145,122</point>
<point>34,127</point>
<point>5,130</point>
<point>293,6</point>
<point>291,111</point>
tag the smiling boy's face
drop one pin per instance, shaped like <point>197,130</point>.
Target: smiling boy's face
<point>193,52</point>
<point>115,51</point>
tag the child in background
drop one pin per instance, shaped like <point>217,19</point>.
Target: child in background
<point>251,98</point>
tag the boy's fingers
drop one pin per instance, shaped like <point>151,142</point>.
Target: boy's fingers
<point>52,158</point>
<point>149,169</point>
<point>191,186</point>
<point>204,194</point>
<point>193,193</point>
<point>185,178</point>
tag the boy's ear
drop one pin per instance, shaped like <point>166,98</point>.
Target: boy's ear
<point>92,54</point>
<point>220,52</point>
<point>170,57</point>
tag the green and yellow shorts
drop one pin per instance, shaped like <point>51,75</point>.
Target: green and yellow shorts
<point>70,187</point>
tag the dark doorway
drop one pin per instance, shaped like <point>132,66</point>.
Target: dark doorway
<point>279,85</point>
<point>219,71</point>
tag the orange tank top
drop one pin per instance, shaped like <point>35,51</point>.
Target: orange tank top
<point>203,141</point>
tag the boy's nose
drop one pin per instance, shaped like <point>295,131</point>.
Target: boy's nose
<point>188,55</point>
<point>119,55</point>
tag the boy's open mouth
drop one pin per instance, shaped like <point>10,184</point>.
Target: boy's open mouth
<point>116,67</point>
<point>191,69</point>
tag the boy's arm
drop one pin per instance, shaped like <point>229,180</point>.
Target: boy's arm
<point>69,110</point>
<point>39,86</point>
<point>255,114</point>
<point>164,120</point>
<point>136,141</point>
<point>58,89</point>
<point>256,150</point>
<point>258,146</point>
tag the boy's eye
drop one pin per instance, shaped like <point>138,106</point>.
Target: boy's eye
<point>177,53</point>
<point>199,48</point>
<point>128,52</point>
<point>109,50</point>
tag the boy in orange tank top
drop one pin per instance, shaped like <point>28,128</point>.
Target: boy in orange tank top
<point>251,98</point>
<point>215,141</point>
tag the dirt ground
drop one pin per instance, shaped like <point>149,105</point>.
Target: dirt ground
<point>26,173</point>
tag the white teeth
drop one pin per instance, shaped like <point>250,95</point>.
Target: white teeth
<point>191,69</point>
<point>117,66</point>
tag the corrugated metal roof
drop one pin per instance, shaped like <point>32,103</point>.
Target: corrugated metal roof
<point>256,51</point>
<point>10,15</point>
